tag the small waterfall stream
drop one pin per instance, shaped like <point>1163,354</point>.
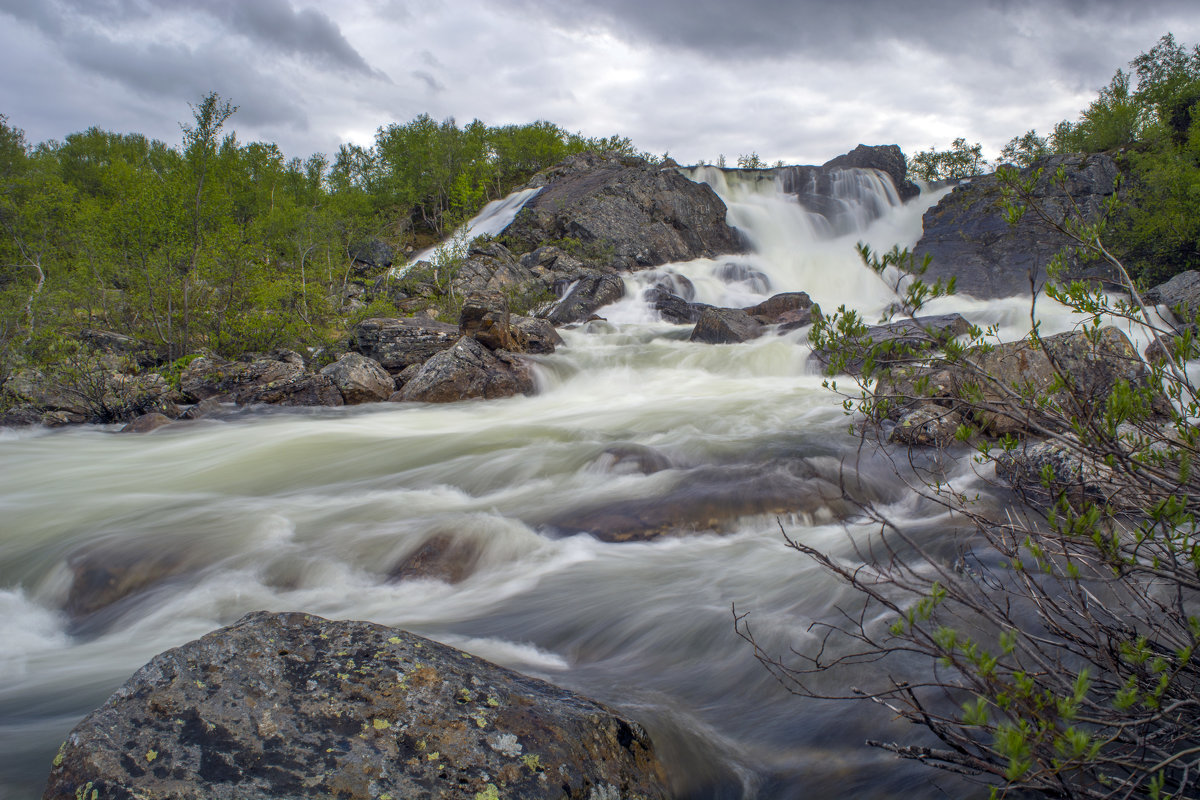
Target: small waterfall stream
<point>314,510</point>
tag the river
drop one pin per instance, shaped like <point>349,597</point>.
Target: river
<point>312,510</point>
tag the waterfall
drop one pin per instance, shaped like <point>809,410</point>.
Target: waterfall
<point>490,221</point>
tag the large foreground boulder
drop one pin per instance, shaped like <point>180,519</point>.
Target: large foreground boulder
<point>360,379</point>
<point>967,235</point>
<point>291,705</point>
<point>624,212</point>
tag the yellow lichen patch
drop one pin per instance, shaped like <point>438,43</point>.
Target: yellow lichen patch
<point>493,702</point>
<point>489,793</point>
<point>532,761</point>
<point>421,745</point>
<point>58,759</point>
<point>381,724</point>
<point>151,755</point>
<point>434,756</point>
<point>395,640</point>
<point>481,720</point>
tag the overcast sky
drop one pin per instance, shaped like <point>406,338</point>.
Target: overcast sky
<point>800,81</point>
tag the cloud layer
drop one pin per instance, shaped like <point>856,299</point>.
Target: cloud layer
<point>797,80</point>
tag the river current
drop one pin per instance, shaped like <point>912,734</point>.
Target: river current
<point>312,510</point>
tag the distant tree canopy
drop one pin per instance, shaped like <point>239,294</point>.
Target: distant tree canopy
<point>229,246</point>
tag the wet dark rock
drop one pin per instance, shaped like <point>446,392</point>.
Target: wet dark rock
<point>887,158</point>
<point>442,557</point>
<point>360,379</point>
<point>207,408</point>
<point>1082,480</point>
<point>789,310</point>
<point>147,422</point>
<point>673,308</point>
<point>1181,294</point>
<point>399,343</point>
<point>624,212</point>
<point>291,705</point>
<point>585,296</point>
<point>21,416</point>
<point>967,235</point>
<point>927,425</point>
<point>372,255</point>
<point>108,573</point>
<point>725,326</point>
<point>466,371</point>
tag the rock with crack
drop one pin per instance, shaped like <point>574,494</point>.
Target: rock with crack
<point>469,370</point>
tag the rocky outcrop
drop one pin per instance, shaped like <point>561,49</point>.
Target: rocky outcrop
<point>277,379</point>
<point>468,370</point>
<point>585,296</point>
<point>725,326</point>
<point>967,235</point>
<point>399,343</point>
<point>486,320</point>
<point>291,705</point>
<point>1014,388</point>
<point>624,212</point>
<point>96,389</point>
<point>360,379</point>
<point>887,158</point>
<point>1181,294</point>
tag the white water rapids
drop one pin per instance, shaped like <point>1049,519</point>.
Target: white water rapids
<point>312,511</point>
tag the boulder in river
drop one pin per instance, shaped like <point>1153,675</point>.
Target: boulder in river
<point>725,326</point>
<point>360,379</point>
<point>400,343</point>
<point>284,705</point>
<point>466,371</point>
<point>623,212</point>
<point>967,236</point>
<point>583,297</point>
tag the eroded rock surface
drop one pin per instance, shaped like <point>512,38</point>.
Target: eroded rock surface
<point>291,705</point>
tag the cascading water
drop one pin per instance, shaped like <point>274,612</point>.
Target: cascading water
<point>315,510</point>
<point>491,220</point>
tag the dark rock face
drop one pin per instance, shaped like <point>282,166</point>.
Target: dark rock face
<point>967,235</point>
<point>278,380</point>
<point>1181,294</point>
<point>360,379</point>
<point>789,310</point>
<point>674,308</point>
<point>466,371</point>
<point>725,326</point>
<point>399,343</point>
<point>1083,480</point>
<point>491,268</point>
<point>290,705</point>
<point>631,213</point>
<point>886,158</point>
<point>585,296</point>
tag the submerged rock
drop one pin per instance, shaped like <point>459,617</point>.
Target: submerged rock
<point>291,705</point>
<point>443,557</point>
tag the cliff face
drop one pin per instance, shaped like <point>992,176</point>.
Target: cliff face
<point>967,235</point>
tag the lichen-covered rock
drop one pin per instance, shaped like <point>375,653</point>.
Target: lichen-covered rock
<point>279,379</point>
<point>466,371</point>
<point>968,237</point>
<point>291,705</point>
<point>360,379</point>
<point>927,425</point>
<point>627,212</point>
<point>901,340</point>
<point>400,343</point>
<point>725,326</point>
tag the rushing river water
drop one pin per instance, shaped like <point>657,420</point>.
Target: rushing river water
<point>314,510</point>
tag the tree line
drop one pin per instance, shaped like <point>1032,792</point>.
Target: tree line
<point>230,246</point>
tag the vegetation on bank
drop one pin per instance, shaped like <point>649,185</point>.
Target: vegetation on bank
<point>227,246</point>
<point>1146,118</point>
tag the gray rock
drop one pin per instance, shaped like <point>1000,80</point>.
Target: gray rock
<point>673,308</point>
<point>264,380</point>
<point>887,158</point>
<point>967,235</point>
<point>466,371</point>
<point>399,343</point>
<point>789,311</point>
<point>1181,294</point>
<point>725,326</point>
<point>291,705</point>
<point>360,379</point>
<point>585,296</point>
<point>625,212</point>
<point>147,422</point>
<point>927,425</point>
